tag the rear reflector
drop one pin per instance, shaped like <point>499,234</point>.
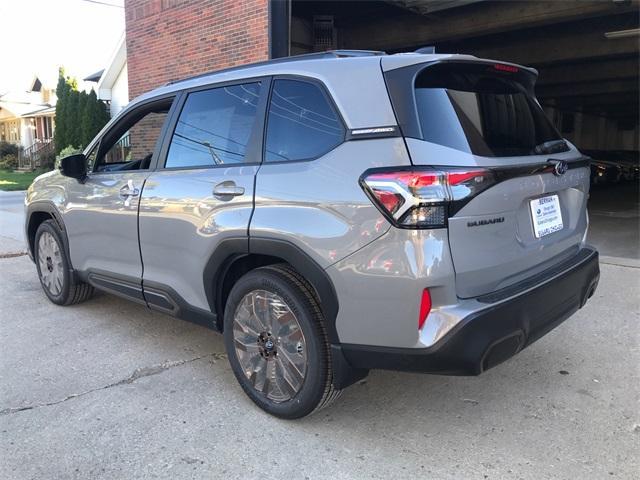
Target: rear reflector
<point>425,308</point>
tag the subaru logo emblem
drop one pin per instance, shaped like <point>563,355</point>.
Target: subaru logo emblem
<point>560,167</point>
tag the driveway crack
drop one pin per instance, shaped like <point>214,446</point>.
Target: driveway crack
<point>136,375</point>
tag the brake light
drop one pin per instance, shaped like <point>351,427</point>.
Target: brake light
<point>425,308</point>
<point>506,68</point>
<point>423,197</point>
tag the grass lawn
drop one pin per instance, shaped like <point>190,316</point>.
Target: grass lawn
<point>17,180</point>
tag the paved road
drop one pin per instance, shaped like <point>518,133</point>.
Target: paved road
<point>614,213</point>
<point>11,222</point>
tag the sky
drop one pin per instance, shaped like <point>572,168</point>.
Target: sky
<point>41,35</point>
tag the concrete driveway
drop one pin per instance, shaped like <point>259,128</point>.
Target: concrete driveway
<point>110,390</point>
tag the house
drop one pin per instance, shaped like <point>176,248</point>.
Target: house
<point>27,119</point>
<point>112,81</point>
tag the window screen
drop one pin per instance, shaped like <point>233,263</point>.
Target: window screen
<point>214,127</point>
<point>302,123</point>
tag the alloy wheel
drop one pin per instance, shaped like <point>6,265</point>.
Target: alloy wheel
<point>270,345</point>
<point>50,263</point>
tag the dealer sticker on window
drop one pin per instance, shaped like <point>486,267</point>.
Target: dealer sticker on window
<point>546,215</point>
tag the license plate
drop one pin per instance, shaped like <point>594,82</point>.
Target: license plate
<point>546,215</point>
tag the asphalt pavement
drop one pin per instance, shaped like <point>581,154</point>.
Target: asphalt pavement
<point>109,390</point>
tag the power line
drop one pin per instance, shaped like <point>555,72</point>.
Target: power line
<point>102,3</point>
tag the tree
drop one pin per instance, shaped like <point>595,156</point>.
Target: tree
<point>61,137</point>
<point>95,117</point>
<point>82,113</point>
<point>74,118</point>
<point>79,116</point>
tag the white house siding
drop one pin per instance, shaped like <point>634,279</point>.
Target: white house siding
<point>119,92</point>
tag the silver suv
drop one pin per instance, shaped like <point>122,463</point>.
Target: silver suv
<point>330,214</point>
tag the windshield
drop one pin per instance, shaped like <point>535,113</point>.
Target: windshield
<point>481,109</point>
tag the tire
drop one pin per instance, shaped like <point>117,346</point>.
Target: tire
<point>298,338</point>
<point>54,269</point>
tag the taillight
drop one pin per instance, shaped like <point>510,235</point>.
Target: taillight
<point>423,197</point>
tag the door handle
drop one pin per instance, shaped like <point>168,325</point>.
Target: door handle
<point>227,189</point>
<point>129,190</point>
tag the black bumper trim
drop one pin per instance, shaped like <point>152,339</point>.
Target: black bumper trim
<point>550,273</point>
<point>492,335</point>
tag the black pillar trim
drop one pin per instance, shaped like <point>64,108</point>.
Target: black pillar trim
<point>279,28</point>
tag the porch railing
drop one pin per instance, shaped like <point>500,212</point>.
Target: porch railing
<point>32,157</point>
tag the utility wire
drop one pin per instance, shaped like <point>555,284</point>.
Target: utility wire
<point>102,3</point>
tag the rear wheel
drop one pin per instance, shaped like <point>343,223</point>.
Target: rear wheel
<point>277,346</point>
<point>53,267</point>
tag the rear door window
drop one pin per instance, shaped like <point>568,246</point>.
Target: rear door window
<point>214,127</point>
<point>302,123</point>
<point>481,109</point>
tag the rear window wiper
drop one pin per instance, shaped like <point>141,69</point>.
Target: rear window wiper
<point>552,146</point>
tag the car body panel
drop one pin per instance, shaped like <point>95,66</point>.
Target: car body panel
<point>182,222</point>
<point>379,287</point>
<point>318,205</point>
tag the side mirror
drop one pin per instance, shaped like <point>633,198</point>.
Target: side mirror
<point>74,166</point>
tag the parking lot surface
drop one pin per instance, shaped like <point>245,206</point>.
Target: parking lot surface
<point>108,390</point>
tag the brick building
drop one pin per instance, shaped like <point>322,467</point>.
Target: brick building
<point>172,39</point>
<point>586,51</point>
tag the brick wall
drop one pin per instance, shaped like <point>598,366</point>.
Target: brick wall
<point>172,39</point>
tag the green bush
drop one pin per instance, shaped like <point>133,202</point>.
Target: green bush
<point>9,162</point>
<point>7,148</point>
<point>48,162</point>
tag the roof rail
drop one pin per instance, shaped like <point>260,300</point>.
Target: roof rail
<point>293,58</point>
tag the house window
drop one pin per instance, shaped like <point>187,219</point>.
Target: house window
<point>14,131</point>
<point>46,128</point>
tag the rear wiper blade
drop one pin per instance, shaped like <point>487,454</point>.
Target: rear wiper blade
<point>552,146</point>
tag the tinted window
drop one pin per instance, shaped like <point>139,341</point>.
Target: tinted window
<point>478,109</point>
<point>302,123</point>
<point>214,127</point>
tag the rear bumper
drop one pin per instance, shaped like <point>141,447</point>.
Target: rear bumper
<point>493,334</point>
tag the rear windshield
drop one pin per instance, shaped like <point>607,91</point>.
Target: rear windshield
<point>481,109</point>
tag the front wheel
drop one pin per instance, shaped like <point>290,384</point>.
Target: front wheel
<point>53,267</point>
<point>277,345</point>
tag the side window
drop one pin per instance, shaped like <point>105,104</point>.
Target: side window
<point>302,124</point>
<point>214,127</point>
<point>131,144</point>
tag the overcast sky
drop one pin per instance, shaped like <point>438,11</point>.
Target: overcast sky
<point>40,35</point>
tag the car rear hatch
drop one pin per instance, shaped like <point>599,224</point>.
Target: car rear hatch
<point>527,211</point>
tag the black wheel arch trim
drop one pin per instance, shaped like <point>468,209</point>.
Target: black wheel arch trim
<point>231,249</point>
<point>309,269</point>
